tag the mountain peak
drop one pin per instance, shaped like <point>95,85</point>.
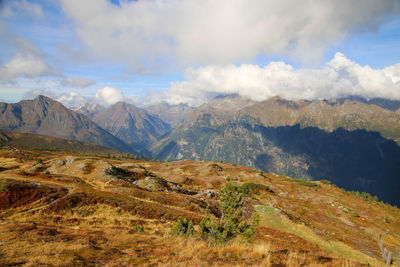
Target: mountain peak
<point>132,124</point>
<point>46,116</point>
<point>43,98</point>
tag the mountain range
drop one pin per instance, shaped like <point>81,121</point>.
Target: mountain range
<point>135,126</point>
<point>171,114</point>
<point>348,142</point>
<point>46,116</point>
<point>351,141</point>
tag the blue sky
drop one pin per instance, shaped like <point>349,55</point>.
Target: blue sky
<point>144,52</point>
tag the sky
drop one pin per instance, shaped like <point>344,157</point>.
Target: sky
<point>189,51</point>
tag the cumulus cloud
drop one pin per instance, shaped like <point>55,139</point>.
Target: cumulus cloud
<point>338,78</point>
<point>104,96</point>
<point>28,62</point>
<point>25,65</point>
<point>108,96</point>
<point>147,34</point>
<point>77,82</point>
<point>72,99</point>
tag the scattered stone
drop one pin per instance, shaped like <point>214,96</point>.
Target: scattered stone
<point>216,167</point>
<point>69,160</point>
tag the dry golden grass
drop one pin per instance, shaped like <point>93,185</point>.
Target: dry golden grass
<point>311,226</point>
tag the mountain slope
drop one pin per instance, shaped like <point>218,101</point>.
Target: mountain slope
<point>327,115</point>
<point>131,124</point>
<point>49,117</point>
<point>69,210</point>
<point>355,159</point>
<point>45,142</point>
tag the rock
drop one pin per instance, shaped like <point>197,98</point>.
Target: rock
<point>69,160</point>
<point>216,167</point>
<point>211,193</point>
<point>117,172</point>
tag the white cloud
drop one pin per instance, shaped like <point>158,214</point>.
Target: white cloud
<point>72,99</point>
<point>28,62</point>
<point>25,65</point>
<point>77,82</point>
<point>150,34</point>
<point>108,96</point>
<point>339,77</point>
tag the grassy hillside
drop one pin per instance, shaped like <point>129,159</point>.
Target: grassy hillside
<point>72,210</point>
<point>45,142</point>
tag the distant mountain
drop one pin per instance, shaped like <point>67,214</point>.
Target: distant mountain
<point>133,125</point>
<point>46,116</point>
<point>171,114</point>
<point>392,105</point>
<point>302,139</point>
<point>90,109</point>
<point>327,115</point>
<point>45,142</point>
<point>219,109</point>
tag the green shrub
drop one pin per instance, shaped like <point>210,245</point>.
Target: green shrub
<point>183,227</point>
<point>138,228</point>
<point>326,182</point>
<point>247,188</point>
<point>232,223</point>
<point>3,185</point>
<point>363,195</point>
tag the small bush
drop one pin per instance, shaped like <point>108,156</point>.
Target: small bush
<point>232,223</point>
<point>326,182</point>
<point>356,215</point>
<point>3,185</point>
<point>247,188</point>
<point>363,195</point>
<point>183,227</point>
<point>138,228</point>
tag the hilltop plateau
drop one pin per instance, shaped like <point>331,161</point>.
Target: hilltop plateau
<point>98,211</point>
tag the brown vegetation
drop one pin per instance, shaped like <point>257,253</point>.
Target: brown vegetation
<point>80,214</point>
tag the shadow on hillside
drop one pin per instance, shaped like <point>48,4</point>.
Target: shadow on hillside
<point>356,160</point>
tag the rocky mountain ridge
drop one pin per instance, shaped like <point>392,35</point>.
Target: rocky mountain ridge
<point>347,142</point>
<point>135,126</point>
<point>46,116</point>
